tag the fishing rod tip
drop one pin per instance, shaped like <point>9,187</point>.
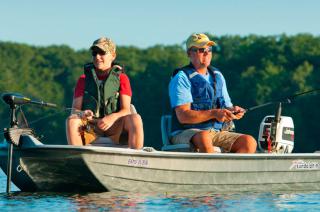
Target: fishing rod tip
<point>288,101</point>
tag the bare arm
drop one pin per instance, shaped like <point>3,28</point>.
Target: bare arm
<point>77,104</point>
<point>125,102</point>
<point>187,116</point>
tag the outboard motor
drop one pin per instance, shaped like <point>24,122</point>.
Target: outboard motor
<point>276,134</point>
<point>283,141</point>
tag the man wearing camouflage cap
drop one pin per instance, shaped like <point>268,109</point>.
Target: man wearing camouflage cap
<point>201,103</point>
<point>102,100</point>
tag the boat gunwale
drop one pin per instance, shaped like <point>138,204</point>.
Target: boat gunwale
<point>165,154</point>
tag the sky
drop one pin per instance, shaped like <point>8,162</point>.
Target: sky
<point>145,23</point>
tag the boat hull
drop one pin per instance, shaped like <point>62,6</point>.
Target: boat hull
<point>36,169</point>
<point>97,169</point>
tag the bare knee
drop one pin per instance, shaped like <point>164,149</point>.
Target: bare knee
<point>202,141</point>
<point>244,144</point>
<point>133,125</point>
<point>251,144</point>
<point>73,123</point>
<point>73,120</point>
<point>133,121</point>
<point>136,119</point>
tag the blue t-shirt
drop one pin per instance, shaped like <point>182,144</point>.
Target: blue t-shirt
<point>180,88</point>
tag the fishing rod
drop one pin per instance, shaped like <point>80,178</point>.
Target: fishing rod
<point>286,100</point>
<point>16,99</point>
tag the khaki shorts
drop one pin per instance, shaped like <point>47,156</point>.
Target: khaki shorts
<point>222,139</point>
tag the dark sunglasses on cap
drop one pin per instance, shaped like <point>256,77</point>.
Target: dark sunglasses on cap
<point>95,53</point>
<point>201,50</point>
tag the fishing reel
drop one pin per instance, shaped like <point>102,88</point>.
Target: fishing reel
<point>228,126</point>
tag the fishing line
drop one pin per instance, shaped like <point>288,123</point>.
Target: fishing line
<point>28,124</point>
<point>63,110</point>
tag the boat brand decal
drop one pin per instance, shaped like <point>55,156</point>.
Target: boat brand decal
<point>301,164</point>
<point>137,162</point>
<point>288,134</point>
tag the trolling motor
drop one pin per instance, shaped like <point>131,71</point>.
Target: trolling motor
<point>276,133</point>
<point>15,99</point>
<point>13,133</point>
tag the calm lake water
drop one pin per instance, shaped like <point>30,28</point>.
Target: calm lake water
<point>18,201</point>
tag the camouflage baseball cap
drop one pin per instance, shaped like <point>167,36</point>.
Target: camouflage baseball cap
<point>105,44</point>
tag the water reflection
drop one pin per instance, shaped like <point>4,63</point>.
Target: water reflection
<point>107,201</point>
<point>187,201</point>
<point>196,201</point>
<point>149,201</point>
<point>117,201</point>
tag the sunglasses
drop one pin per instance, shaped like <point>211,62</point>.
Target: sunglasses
<point>201,50</point>
<point>95,53</point>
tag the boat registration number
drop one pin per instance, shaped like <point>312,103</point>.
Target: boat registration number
<point>137,162</point>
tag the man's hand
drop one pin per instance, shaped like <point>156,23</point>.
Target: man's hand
<point>238,112</point>
<point>224,115</point>
<point>106,122</point>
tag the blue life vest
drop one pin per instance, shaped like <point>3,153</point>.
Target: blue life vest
<point>204,96</point>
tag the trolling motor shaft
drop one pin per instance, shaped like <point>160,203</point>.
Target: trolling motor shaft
<point>13,124</point>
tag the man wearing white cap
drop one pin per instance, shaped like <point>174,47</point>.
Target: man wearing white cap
<point>201,103</point>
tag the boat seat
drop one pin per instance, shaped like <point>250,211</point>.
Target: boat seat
<point>133,109</point>
<point>106,142</point>
<point>165,134</point>
<point>167,145</point>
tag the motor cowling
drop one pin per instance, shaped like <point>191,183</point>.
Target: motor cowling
<point>283,141</point>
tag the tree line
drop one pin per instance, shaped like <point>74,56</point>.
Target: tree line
<point>257,69</point>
